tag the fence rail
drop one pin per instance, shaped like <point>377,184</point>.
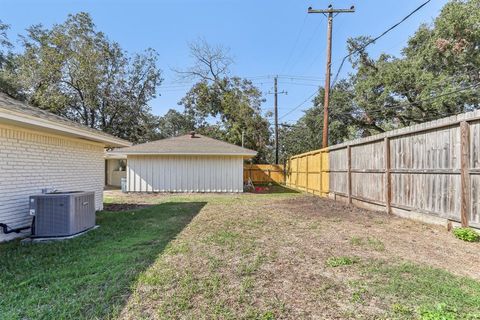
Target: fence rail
<point>430,170</point>
<point>264,173</point>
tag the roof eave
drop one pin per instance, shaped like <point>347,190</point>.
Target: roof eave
<point>12,117</point>
<point>132,153</point>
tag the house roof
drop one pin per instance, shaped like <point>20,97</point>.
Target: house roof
<point>187,145</point>
<point>21,114</point>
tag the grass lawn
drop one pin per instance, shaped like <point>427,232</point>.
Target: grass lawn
<point>251,256</point>
<point>89,277</point>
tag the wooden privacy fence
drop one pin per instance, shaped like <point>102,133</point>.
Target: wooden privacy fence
<point>429,171</point>
<point>309,172</point>
<point>264,173</point>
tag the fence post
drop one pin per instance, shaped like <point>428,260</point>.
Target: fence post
<point>388,176</point>
<point>349,173</point>
<point>465,172</point>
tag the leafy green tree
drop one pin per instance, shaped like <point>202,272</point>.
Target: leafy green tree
<point>224,106</point>
<point>75,71</point>
<point>306,134</point>
<point>435,77</point>
<point>7,64</point>
<point>175,123</point>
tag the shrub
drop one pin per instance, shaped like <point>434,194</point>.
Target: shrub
<point>466,234</point>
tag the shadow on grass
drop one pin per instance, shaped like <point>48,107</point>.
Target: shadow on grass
<point>118,207</point>
<point>272,188</point>
<point>89,277</point>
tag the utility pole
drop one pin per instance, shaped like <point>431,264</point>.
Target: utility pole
<point>275,81</point>
<point>275,108</point>
<point>330,11</point>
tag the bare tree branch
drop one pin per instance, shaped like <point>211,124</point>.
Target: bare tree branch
<point>211,63</point>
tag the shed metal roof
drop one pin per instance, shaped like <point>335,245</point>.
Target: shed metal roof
<point>187,145</point>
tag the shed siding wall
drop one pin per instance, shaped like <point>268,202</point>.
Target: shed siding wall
<point>185,174</point>
<point>30,161</point>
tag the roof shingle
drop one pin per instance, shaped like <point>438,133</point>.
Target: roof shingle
<point>10,104</point>
<point>187,145</point>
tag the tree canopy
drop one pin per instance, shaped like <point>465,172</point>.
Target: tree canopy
<point>436,75</point>
<point>220,105</point>
<point>74,70</point>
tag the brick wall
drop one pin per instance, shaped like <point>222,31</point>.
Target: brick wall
<point>30,161</point>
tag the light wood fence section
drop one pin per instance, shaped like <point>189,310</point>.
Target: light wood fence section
<point>264,173</point>
<point>429,171</point>
<point>309,172</point>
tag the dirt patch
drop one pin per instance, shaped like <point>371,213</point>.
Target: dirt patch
<point>303,257</point>
<point>402,238</point>
<point>118,197</point>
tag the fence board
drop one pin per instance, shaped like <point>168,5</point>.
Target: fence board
<point>264,173</point>
<point>431,168</point>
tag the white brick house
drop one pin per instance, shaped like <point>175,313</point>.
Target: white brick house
<point>41,150</point>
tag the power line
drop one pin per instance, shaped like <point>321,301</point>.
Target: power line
<point>473,86</point>
<point>284,76</point>
<point>298,106</point>
<point>407,104</point>
<point>335,31</point>
<point>376,38</point>
<point>330,11</point>
<point>300,84</point>
<point>307,45</point>
<point>401,104</point>
<point>296,43</point>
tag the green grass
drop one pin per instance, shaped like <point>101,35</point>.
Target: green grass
<point>369,242</point>
<point>426,292</point>
<point>341,261</point>
<point>89,277</point>
<point>239,259</point>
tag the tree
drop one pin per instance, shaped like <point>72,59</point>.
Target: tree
<point>75,71</point>
<point>174,123</point>
<point>306,134</point>
<point>435,77</point>
<point>224,106</point>
<point>211,63</point>
<point>7,64</point>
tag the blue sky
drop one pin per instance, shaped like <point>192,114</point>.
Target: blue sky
<point>265,37</point>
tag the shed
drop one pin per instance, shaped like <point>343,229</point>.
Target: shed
<point>40,150</point>
<point>188,163</point>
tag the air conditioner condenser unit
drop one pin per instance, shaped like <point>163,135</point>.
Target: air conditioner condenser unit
<point>62,214</point>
